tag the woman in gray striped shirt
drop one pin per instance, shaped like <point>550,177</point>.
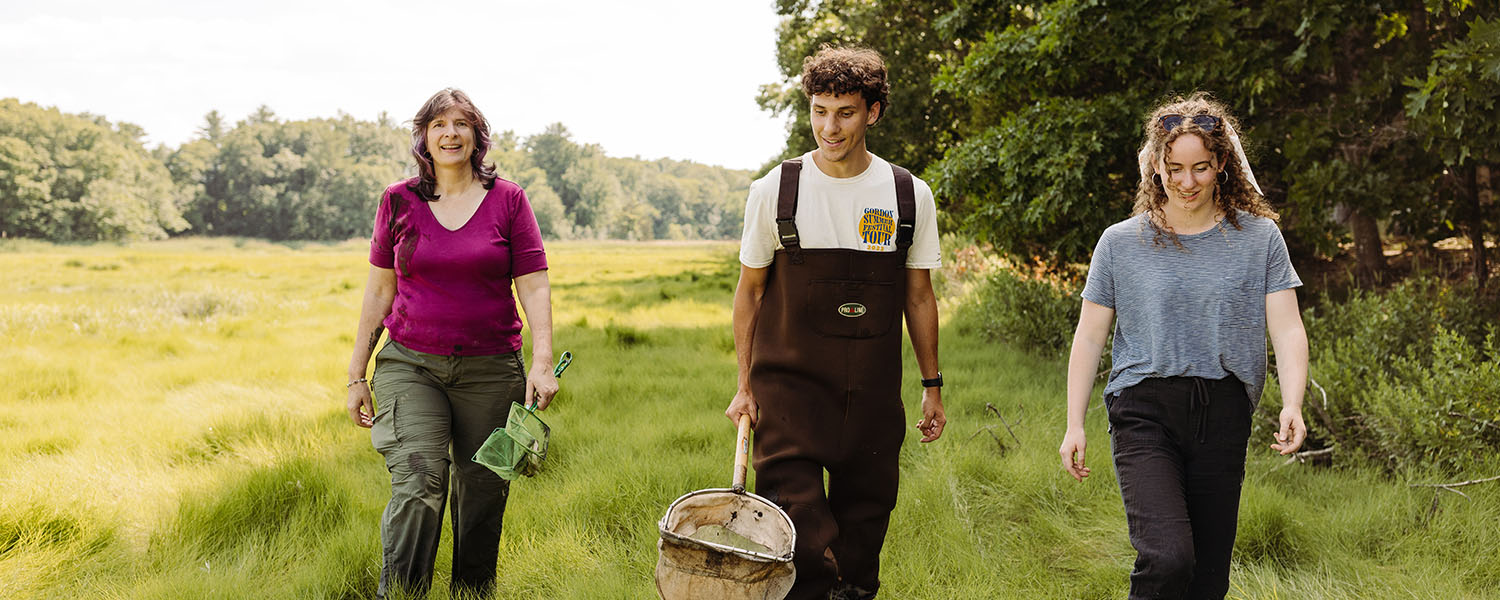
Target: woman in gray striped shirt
<point>1192,283</point>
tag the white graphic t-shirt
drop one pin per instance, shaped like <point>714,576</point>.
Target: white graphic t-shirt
<point>856,213</point>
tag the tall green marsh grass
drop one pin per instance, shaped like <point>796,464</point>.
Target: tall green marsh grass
<point>172,426</point>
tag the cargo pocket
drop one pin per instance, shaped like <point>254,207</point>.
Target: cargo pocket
<point>383,428</point>
<point>383,382</point>
<point>852,309</point>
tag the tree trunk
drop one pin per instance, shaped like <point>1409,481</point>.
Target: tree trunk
<point>1367,247</point>
<point>1483,199</point>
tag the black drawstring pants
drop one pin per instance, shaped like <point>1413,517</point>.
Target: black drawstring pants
<point>1179,452</point>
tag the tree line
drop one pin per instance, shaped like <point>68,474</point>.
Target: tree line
<point>1369,123</point>
<point>79,177</point>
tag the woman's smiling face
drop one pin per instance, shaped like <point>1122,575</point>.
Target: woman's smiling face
<point>450,138</point>
<point>1191,173</point>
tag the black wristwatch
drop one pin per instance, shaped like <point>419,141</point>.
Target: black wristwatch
<point>934,382</point>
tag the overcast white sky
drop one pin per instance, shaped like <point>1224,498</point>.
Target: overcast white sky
<point>648,78</point>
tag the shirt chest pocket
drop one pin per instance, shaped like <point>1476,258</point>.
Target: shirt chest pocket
<point>1242,302</point>
<point>852,309</point>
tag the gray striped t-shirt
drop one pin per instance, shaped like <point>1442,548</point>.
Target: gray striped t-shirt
<point>1195,311</point>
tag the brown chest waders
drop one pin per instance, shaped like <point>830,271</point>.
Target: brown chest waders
<point>825,369</point>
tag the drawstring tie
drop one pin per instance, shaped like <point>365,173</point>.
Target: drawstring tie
<point>1199,399</point>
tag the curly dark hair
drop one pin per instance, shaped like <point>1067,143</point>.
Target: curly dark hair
<point>426,184</point>
<point>1236,193</point>
<point>837,70</point>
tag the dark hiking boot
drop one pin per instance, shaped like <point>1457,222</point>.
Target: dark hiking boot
<point>844,591</point>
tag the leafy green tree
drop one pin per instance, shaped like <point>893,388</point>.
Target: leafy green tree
<point>1055,101</point>
<point>515,165</point>
<point>713,198</point>
<point>212,128</point>
<point>69,177</point>
<point>669,196</point>
<point>25,187</point>
<point>190,166</point>
<point>1454,111</point>
<point>1344,148</point>
<point>78,177</point>
<point>1033,109</point>
<point>262,115</point>
<point>554,152</point>
<point>314,179</point>
<point>597,194</point>
<point>548,208</point>
<point>917,38</point>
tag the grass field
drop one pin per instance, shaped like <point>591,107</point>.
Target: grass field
<point>172,426</point>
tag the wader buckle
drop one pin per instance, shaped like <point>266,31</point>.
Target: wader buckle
<point>786,230</point>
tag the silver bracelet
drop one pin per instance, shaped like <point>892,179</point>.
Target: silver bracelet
<point>351,384</point>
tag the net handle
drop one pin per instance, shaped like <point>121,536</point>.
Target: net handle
<point>530,412</point>
<point>562,365</point>
<point>742,454</point>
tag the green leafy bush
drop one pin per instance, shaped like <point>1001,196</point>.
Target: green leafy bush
<point>1440,404</point>
<point>1034,313</point>
<point>1412,376</point>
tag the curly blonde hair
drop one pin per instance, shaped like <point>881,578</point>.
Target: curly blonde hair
<point>1234,194</point>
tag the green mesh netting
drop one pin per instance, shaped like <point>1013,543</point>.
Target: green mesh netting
<point>518,448</point>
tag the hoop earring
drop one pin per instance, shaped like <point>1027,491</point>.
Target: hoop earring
<point>1156,180</point>
<point>1223,176</point>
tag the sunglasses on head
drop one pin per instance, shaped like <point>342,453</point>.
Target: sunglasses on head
<point>1208,123</point>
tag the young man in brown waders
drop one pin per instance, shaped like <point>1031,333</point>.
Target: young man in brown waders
<point>837,247</point>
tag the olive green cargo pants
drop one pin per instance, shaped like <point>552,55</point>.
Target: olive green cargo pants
<point>425,405</point>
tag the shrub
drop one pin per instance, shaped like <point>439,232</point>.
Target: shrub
<point>1445,412</point>
<point>1412,376</point>
<point>1034,313</point>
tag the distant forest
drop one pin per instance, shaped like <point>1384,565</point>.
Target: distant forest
<point>79,177</point>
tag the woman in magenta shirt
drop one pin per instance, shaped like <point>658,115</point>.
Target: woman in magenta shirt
<point>447,246</point>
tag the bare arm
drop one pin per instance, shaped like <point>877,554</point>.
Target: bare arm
<point>534,290</point>
<point>1088,345</point>
<point>380,291</point>
<point>922,325</point>
<point>1289,339</point>
<point>747,295</point>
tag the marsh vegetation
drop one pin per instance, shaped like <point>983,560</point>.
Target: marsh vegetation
<point>171,426</point>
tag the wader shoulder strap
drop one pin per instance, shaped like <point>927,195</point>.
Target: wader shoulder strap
<point>786,207</point>
<point>906,207</point>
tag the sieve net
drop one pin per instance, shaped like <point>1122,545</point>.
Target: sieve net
<point>518,448</point>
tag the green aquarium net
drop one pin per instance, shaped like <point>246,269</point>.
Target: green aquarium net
<point>518,448</point>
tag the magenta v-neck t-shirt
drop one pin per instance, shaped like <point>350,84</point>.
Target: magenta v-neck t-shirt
<point>453,292</point>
